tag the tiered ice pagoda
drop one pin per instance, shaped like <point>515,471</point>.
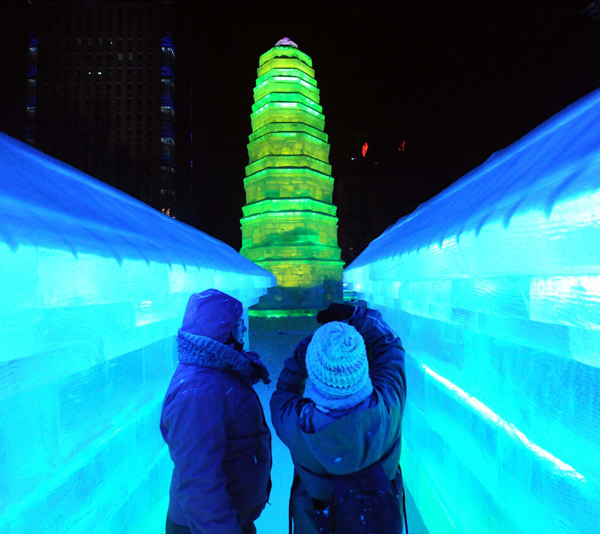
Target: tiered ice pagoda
<point>289,224</point>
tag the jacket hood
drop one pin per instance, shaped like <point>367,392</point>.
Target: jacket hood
<point>211,313</point>
<point>348,444</point>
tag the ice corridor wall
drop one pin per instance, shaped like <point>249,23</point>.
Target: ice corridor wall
<point>93,285</point>
<point>494,287</point>
<point>289,225</point>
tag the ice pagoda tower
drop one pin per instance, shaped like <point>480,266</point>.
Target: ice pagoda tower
<point>289,224</point>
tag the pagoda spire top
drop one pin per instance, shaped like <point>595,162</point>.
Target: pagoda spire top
<point>286,42</point>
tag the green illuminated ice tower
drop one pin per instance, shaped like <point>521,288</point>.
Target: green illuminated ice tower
<point>289,225</point>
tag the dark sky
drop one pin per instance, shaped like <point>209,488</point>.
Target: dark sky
<point>456,80</point>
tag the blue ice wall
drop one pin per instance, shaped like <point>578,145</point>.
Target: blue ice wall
<point>93,285</point>
<point>494,287</point>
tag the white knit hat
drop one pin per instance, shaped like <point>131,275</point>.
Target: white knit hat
<point>338,368</point>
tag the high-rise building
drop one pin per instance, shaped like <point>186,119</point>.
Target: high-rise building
<point>289,225</point>
<point>100,91</point>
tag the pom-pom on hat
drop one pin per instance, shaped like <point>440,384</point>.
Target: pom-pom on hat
<point>211,313</point>
<point>337,366</point>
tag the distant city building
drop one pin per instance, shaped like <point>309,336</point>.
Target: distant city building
<point>289,225</point>
<point>100,91</point>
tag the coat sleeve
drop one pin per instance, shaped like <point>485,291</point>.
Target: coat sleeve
<point>287,402</point>
<point>197,443</point>
<point>386,356</point>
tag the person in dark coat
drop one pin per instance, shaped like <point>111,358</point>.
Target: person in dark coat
<point>338,407</point>
<point>214,424</point>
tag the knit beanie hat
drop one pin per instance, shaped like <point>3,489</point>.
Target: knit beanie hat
<point>337,366</point>
<point>211,313</point>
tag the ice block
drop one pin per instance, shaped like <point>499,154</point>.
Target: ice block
<point>494,287</point>
<point>93,285</point>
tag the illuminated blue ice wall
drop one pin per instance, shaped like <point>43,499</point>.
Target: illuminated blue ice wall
<point>93,285</point>
<point>494,287</point>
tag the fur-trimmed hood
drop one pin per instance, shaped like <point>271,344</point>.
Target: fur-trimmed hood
<point>203,351</point>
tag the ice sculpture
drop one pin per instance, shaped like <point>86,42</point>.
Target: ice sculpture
<point>93,285</point>
<point>289,225</point>
<point>494,287</point>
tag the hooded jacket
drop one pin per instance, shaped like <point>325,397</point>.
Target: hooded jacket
<point>341,442</point>
<point>218,439</point>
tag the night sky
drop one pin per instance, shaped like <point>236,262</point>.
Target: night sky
<point>456,81</point>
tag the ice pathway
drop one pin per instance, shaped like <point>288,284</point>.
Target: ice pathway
<point>274,340</point>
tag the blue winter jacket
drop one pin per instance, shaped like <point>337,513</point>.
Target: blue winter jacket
<point>214,425</point>
<point>341,442</point>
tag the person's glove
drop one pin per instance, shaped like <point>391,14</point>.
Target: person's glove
<point>335,312</point>
<point>259,370</point>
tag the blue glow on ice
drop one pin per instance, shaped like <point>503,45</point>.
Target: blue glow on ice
<point>93,285</point>
<point>494,287</point>
<point>478,406</point>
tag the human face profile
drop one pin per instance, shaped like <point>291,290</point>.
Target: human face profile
<point>238,330</point>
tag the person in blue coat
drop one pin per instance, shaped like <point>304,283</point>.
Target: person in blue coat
<point>338,407</point>
<point>213,423</point>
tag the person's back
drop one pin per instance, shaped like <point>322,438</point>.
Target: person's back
<point>214,425</point>
<point>339,410</point>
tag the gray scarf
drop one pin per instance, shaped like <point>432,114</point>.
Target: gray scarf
<point>206,352</point>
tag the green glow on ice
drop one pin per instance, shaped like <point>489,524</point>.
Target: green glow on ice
<point>282,84</point>
<point>276,106</point>
<point>289,144</point>
<point>287,173</point>
<point>286,63</point>
<point>284,51</point>
<point>281,74</point>
<point>273,137</point>
<point>287,97</point>
<point>272,314</point>
<point>288,161</point>
<point>289,127</point>
<point>289,225</point>
<point>288,204</point>
<point>300,214</point>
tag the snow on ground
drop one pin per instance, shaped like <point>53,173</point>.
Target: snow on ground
<point>275,340</point>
